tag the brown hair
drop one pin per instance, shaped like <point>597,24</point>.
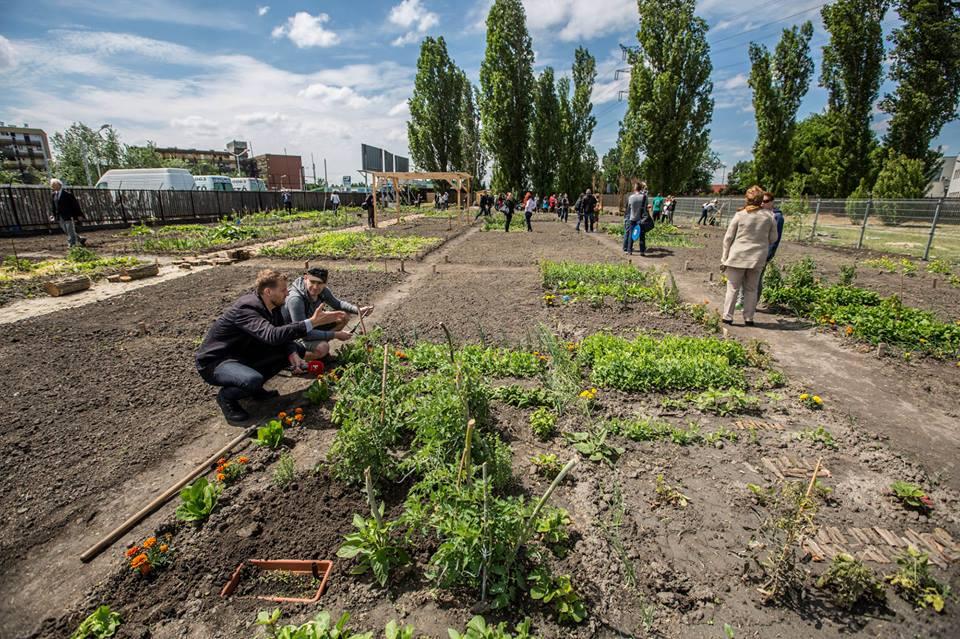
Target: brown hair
<point>268,278</point>
<point>767,195</point>
<point>754,196</point>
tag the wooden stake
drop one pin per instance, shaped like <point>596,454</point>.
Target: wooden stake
<point>164,497</point>
<point>463,470</point>
<point>401,267</point>
<point>363,327</point>
<point>813,479</point>
<point>371,499</point>
<point>711,276</point>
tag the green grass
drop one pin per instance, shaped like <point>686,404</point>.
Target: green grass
<point>596,282</point>
<point>79,261</point>
<point>178,238</point>
<point>353,245</point>
<point>663,234</point>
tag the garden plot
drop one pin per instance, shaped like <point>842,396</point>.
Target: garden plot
<point>686,441</point>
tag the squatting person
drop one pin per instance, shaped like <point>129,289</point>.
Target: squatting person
<point>310,292</point>
<point>250,343</point>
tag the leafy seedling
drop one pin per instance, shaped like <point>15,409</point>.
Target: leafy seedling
<point>198,500</point>
<point>911,495</point>
<point>851,583</point>
<point>914,582</point>
<point>103,623</point>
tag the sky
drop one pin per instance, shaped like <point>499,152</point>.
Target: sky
<point>320,78</point>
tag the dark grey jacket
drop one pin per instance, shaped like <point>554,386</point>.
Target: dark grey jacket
<point>300,306</point>
<point>248,333</point>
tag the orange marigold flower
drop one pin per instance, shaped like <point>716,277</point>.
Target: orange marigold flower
<point>132,551</point>
<point>221,476</point>
<point>150,542</point>
<point>300,417</point>
<point>282,414</point>
<point>164,547</point>
<point>298,411</point>
<point>139,560</point>
<point>243,460</point>
<point>222,460</point>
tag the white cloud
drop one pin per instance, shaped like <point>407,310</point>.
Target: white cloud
<point>211,99</point>
<point>169,11</point>
<point>262,11</point>
<point>334,95</point>
<point>8,57</point>
<point>260,118</point>
<point>400,108</point>
<point>305,30</point>
<point>573,20</point>
<point>415,18</point>
<point>736,82</point>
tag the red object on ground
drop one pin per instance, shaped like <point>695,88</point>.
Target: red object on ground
<point>315,367</point>
<point>319,569</point>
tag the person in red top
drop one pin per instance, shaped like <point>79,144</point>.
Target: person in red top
<point>553,202</point>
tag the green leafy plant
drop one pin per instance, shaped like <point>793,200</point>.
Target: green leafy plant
<point>543,423</point>
<point>320,627</point>
<point>353,245</point>
<point>285,471</point>
<point>319,391</point>
<point>102,623</point>
<point>198,500</point>
<point>567,604</point>
<point>373,548</point>
<point>911,495</point>
<point>477,628</point>
<point>669,495</point>
<point>851,583</point>
<point>818,435</point>
<point>516,395</point>
<point>848,273</point>
<point>914,582</point>
<point>593,445</point>
<point>791,513</point>
<point>548,465</point>
<point>731,401</point>
<point>813,402</point>
<point>552,529</point>
<point>776,379</point>
<point>393,630</point>
<point>721,434</point>
<point>270,434</point>
<point>939,266</point>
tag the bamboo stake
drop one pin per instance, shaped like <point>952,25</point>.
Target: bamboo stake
<point>463,470</point>
<point>383,388</point>
<point>536,511</point>
<point>111,537</point>
<point>363,327</point>
<point>484,550</point>
<point>813,479</point>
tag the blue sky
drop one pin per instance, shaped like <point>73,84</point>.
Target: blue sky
<point>322,77</point>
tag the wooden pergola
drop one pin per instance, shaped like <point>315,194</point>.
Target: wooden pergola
<point>454,177</point>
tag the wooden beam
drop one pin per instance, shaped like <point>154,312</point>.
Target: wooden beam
<point>374,199</point>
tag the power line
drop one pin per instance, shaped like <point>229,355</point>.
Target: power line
<point>761,26</point>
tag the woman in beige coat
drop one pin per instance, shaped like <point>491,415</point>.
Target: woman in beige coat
<point>749,236</point>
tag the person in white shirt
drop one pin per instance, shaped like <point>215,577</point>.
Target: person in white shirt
<point>528,208</point>
<point>335,201</point>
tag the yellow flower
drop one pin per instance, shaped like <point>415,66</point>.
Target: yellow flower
<point>817,400</point>
<point>164,547</point>
<point>804,397</point>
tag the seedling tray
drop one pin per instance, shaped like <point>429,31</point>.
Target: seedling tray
<point>317,568</point>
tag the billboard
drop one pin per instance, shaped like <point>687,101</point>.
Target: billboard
<point>347,181</point>
<point>402,164</point>
<point>371,158</point>
<point>387,161</point>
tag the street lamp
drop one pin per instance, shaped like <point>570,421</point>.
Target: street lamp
<point>282,177</point>
<point>723,176</point>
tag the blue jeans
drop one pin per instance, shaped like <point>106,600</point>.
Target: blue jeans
<point>642,239</point>
<point>239,380</point>
<point>627,229</point>
<point>69,227</point>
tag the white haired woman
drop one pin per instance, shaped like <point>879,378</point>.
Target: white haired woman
<point>745,246</point>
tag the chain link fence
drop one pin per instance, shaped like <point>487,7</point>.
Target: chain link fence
<point>926,228</point>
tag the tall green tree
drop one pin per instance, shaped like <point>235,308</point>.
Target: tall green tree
<point>741,177</point>
<point>851,71</point>
<point>544,141</point>
<point>142,157</point>
<point>779,82</point>
<point>434,133</point>
<point>566,179</point>
<point>610,167</point>
<point>576,169</point>
<point>670,105</point>
<point>926,66</point>
<point>701,179</point>
<point>80,151</point>
<point>506,87</point>
<point>474,155</point>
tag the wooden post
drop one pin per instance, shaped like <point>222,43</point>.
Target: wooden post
<point>396,196</point>
<point>383,387</point>
<point>863,227</point>
<point>374,200</point>
<point>816,216</point>
<point>933,230</point>
<point>459,188</point>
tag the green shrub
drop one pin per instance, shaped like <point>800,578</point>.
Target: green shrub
<point>198,500</point>
<point>543,423</point>
<point>851,583</point>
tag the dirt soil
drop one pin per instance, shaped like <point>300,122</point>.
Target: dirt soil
<point>644,569</point>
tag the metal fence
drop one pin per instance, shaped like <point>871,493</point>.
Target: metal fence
<point>28,209</point>
<point>925,228</point>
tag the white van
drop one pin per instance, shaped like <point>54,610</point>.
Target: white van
<point>147,179</point>
<point>212,183</point>
<point>248,184</point>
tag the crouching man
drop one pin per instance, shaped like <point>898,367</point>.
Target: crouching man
<point>309,294</point>
<point>250,343</point>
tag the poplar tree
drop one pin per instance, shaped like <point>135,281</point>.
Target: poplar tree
<point>582,159</point>
<point>779,82</point>
<point>851,71</point>
<point>474,156</point>
<point>670,105</point>
<point>544,139</point>
<point>433,132</point>
<point>926,66</point>
<point>506,87</point>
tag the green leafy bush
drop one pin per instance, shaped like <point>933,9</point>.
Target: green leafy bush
<point>270,434</point>
<point>914,582</point>
<point>543,423</point>
<point>851,583</point>
<point>558,591</point>
<point>319,391</point>
<point>477,628</point>
<point>321,627</point>
<point>516,395</point>
<point>198,500</point>
<point>548,465</point>
<point>372,548</point>
<point>353,245</point>
<point>595,282</point>
<point>911,495</point>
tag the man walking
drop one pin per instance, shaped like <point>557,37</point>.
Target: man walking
<point>250,343</point>
<point>66,211</point>
<point>589,205</point>
<point>707,210</point>
<point>509,206</point>
<point>368,205</point>
<point>637,211</point>
<point>287,198</point>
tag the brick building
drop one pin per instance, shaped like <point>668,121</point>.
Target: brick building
<point>280,171</point>
<point>23,148</point>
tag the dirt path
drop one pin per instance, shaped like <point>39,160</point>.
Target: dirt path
<point>917,418</point>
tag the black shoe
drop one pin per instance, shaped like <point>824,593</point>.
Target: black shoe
<point>748,322</point>
<point>232,411</point>
<point>83,241</point>
<point>728,322</point>
<point>264,394</point>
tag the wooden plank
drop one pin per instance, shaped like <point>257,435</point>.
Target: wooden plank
<point>815,551</point>
<point>944,538</point>
<point>888,537</point>
<point>140,272</point>
<point>836,535</point>
<point>771,467</point>
<point>931,543</point>
<point>860,536</point>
